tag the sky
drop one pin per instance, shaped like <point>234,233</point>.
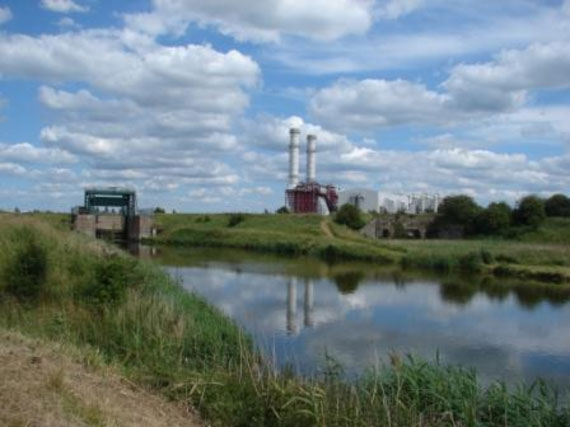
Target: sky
<point>190,101</point>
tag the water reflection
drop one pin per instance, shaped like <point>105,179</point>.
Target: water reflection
<point>359,315</point>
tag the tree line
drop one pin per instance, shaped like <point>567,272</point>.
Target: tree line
<point>498,218</point>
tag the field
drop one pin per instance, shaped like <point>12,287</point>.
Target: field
<point>72,292</point>
<point>542,255</point>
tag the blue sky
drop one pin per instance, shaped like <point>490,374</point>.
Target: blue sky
<point>190,101</point>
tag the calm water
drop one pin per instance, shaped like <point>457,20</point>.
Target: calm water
<point>300,310</point>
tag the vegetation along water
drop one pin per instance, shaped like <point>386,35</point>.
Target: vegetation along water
<point>63,287</point>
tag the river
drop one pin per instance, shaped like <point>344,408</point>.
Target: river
<point>303,311</point>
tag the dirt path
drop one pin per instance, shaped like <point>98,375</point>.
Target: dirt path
<point>44,384</point>
<point>326,228</point>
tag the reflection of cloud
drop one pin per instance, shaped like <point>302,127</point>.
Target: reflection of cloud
<point>497,337</point>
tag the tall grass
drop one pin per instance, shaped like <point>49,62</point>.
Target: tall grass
<point>174,342</point>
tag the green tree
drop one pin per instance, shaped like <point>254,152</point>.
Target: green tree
<point>350,216</point>
<point>458,210</point>
<point>557,205</point>
<point>282,210</point>
<point>493,220</point>
<point>530,211</point>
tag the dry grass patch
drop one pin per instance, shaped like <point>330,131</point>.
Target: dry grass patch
<point>47,384</point>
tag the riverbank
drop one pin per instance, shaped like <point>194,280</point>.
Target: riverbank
<point>68,289</point>
<point>542,261</point>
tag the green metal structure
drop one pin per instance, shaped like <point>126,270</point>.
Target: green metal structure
<point>123,198</point>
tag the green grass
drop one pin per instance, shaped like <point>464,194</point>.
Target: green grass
<point>173,342</point>
<point>304,235</point>
<point>283,234</point>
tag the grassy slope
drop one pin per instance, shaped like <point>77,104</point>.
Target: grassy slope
<point>285,234</point>
<point>168,340</point>
<point>548,260</point>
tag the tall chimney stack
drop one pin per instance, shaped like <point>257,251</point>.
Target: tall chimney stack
<point>295,135</point>
<point>311,158</point>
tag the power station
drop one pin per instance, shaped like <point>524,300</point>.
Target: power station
<point>308,196</point>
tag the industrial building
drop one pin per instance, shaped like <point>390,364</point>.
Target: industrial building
<point>308,196</point>
<point>370,200</point>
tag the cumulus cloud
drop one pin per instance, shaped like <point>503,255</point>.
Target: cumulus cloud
<point>372,103</point>
<point>471,90</point>
<point>503,83</point>
<point>63,6</point>
<point>260,21</point>
<point>159,117</point>
<point>5,15</point>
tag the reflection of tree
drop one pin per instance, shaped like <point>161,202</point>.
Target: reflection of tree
<point>530,296</point>
<point>460,293</point>
<point>347,282</point>
<point>495,289</point>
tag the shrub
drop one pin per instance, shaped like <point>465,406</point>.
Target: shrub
<point>470,263</point>
<point>282,210</point>
<point>26,272</point>
<point>487,257</point>
<point>235,219</point>
<point>530,211</point>
<point>350,216</point>
<point>112,276</point>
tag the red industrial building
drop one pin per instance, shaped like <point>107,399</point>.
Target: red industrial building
<point>308,196</point>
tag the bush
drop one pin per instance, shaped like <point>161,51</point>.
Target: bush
<point>530,211</point>
<point>26,272</point>
<point>235,219</point>
<point>113,275</point>
<point>350,216</point>
<point>282,210</point>
<point>557,205</point>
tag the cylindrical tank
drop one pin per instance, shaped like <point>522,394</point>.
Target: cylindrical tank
<point>295,135</point>
<point>311,158</point>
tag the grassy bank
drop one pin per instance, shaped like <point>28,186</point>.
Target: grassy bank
<point>68,289</point>
<point>539,255</point>
<point>283,234</point>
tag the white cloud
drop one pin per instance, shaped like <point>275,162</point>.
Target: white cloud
<point>5,15</point>
<point>471,91</point>
<point>63,6</point>
<point>68,23</point>
<point>460,29</point>
<point>372,103</point>
<point>28,153</point>
<point>11,169</point>
<point>503,83</point>
<point>260,21</point>
<point>392,9</point>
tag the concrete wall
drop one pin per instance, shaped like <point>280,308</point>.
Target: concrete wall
<point>386,227</point>
<point>110,222</point>
<point>113,225</point>
<point>84,224</point>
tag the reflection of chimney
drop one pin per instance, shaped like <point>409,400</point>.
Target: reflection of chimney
<point>311,158</point>
<point>295,135</point>
<point>308,303</point>
<point>292,306</point>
